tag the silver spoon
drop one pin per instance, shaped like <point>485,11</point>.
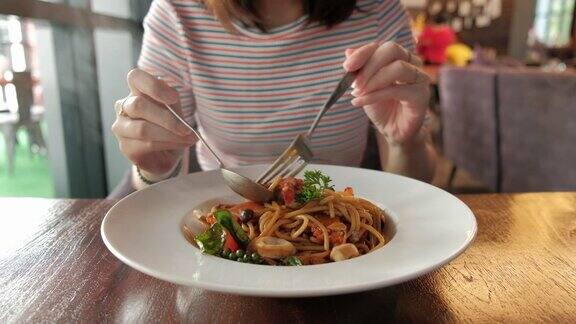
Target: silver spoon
<point>242,185</point>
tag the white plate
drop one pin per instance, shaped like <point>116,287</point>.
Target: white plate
<point>431,228</point>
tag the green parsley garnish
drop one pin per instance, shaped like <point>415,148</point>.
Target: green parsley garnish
<point>314,184</point>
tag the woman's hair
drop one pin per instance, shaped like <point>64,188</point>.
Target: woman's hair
<point>325,12</point>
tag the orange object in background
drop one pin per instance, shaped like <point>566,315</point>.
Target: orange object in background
<point>433,43</point>
<point>434,40</point>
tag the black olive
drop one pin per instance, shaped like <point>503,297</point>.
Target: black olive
<point>246,215</point>
<point>255,257</point>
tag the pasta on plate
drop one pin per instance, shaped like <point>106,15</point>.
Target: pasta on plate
<point>308,222</point>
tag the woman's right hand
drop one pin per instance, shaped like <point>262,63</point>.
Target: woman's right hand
<point>148,134</point>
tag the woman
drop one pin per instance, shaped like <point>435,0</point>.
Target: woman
<point>255,73</point>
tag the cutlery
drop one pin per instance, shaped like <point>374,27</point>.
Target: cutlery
<point>242,185</point>
<point>299,153</point>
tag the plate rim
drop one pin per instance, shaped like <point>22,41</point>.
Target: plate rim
<point>326,291</point>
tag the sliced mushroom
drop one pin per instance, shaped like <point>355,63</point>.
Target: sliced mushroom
<point>274,248</point>
<point>344,252</point>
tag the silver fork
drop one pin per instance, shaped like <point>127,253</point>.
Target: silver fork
<point>299,153</point>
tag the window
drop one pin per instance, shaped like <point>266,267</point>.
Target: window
<point>11,43</point>
<point>553,24</point>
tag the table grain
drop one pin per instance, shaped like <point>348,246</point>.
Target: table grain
<point>54,267</point>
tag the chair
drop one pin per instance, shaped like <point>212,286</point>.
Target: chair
<point>468,111</point>
<point>537,112</point>
<point>27,116</point>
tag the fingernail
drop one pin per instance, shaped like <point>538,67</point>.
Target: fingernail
<point>346,65</point>
<point>357,102</point>
<point>355,92</point>
<point>353,85</point>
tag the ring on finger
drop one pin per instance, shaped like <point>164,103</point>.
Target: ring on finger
<point>121,112</point>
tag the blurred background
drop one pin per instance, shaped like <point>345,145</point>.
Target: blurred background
<point>62,65</point>
<point>503,110</point>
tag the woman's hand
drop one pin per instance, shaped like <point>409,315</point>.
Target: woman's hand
<point>148,134</point>
<point>391,87</point>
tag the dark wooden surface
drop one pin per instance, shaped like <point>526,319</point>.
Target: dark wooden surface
<point>521,268</point>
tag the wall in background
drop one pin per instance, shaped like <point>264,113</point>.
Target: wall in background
<point>115,8</point>
<point>53,115</point>
<point>497,34</point>
<point>522,22</point>
<point>114,59</point>
<point>115,56</point>
<point>85,48</point>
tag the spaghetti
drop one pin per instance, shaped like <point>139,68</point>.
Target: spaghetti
<point>308,223</point>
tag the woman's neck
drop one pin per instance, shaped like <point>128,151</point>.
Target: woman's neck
<point>276,13</point>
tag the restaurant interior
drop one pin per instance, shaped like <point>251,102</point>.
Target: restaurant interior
<point>501,113</point>
<point>501,120</point>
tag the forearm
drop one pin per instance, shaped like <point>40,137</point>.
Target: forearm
<point>415,158</point>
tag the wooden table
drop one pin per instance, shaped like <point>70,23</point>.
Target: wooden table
<point>521,268</point>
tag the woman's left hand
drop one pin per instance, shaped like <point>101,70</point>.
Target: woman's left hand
<point>391,88</point>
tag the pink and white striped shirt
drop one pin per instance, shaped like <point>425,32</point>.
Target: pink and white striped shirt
<point>251,93</point>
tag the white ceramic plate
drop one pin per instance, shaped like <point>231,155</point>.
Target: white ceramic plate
<point>431,227</point>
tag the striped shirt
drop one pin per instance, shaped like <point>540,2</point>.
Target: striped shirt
<point>251,93</point>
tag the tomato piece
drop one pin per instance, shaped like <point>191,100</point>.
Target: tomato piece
<point>288,188</point>
<point>336,230</point>
<point>327,220</point>
<point>349,191</point>
<point>317,232</point>
<point>230,243</point>
<point>337,237</point>
<point>337,233</point>
<point>288,195</point>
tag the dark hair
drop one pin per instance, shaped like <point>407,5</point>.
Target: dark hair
<point>441,18</point>
<point>325,12</point>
